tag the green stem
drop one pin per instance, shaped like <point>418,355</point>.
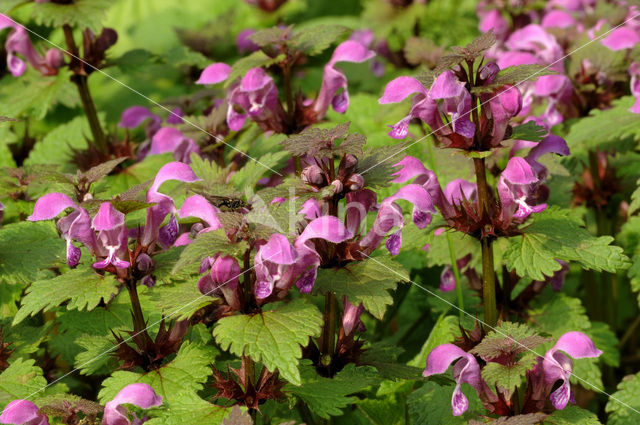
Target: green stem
<point>329,329</point>
<point>456,275</point>
<point>488,273</point>
<point>80,80</point>
<point>452,254</point>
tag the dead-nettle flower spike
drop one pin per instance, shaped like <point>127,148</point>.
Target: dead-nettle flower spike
<point>279,265</point>
<point>141,395</point>
<point>255,95</point>
<point>222,279</point>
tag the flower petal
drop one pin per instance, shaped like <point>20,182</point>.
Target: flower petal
<point>577,345</point>
<point>197,206</point>
<point>22,412</point>
<point>50,205</point>
<point>214,73</point>
<point>400,88</point>
<point>278,250</point>
<point>327,227</point>
<point>621,38</point>
<point>141,395</point>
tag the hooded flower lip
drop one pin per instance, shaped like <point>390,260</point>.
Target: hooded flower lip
<point>351,317</point>
<point>465,370</point>
<point>76,226</point>
<point>558,366</point>
<point>170,139</point>
<point>112,232</point>
<point>22,412</point>
<point>334,83</point>
<point>134,116</point>
<point>517,186</point>
<point>198,206</point>
<point>164,204</point>
<point>621,38</point>
<point>141,395</point>
<point>214,73</point>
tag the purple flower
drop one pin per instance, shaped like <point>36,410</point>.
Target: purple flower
<point>243,42</point>
<point>18,43</point>
<point>517,187</point>
<point>390,216</point>
<point>447,97</point>
<point>74,227</point>
<point>214,73</point>
<point>222,280</point>
<point>169,139</point>
<point>550,144</point>
<point>503,104</point>
<point>141,395</point>
<point>447,278</point>
<point>257,96</point>
<point>465,370</point>
<point>334,83</point>
<point>279,265</point>
<point>112,232</point>
<point>197,206</point>
<point>134,116</point>
<point>351,317</point>
<point>153,232</point>
<point>621,38</point>
<point>558,366</point>
<point>22,412</point>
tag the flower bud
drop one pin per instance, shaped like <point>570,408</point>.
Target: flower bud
<point>337,184</point>
<point>347,164</point>
<point>355,182</point>
<point>144,263</point>
<point>195,229</point>
<point>488,73</point>
<point>313,175</point>
<point>54,58</point>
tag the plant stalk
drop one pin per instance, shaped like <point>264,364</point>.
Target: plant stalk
<point>456,275</point>
<point>488,273</point>
<point>79,78</point>
<point>329,329</point>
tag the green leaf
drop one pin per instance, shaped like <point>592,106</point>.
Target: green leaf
<point>367,282</point>
<point>627,393</point>
<point>508,339</point>
<point>180,300</point>
<point>184,56</point>
<point>248,176</point>
<point>314,40</point>
<point>384,357</point>
<point>572,415</point>
<point>635,200</point>
<point>134,59</point>
<point>27,248</point>
<point>257,59</point>
<point>321,142</point>
<point>444,331</point>
<point>515,75</point>
<point>206,245</point>
<point>377,164</point>
<point>78,13</point>
<point>508,377</point>
<point>20,380</point>
<point>554,235</point>
<point>189,408</point>
<point>58,145</point>
<point>431,405</point>
<point>273,336</point>
<point>33,94</point>
<point>82,288</point>
<point>328,396</point>
<point>528,131</point>
<point>184,374</point>
<point>559,315</point>
<point>605,339</point>
<point>602,126</point>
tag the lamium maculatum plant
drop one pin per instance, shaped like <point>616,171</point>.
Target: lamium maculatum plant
<point>296,212</point>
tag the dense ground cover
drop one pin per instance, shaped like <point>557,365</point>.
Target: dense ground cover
<point>296,211</point>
